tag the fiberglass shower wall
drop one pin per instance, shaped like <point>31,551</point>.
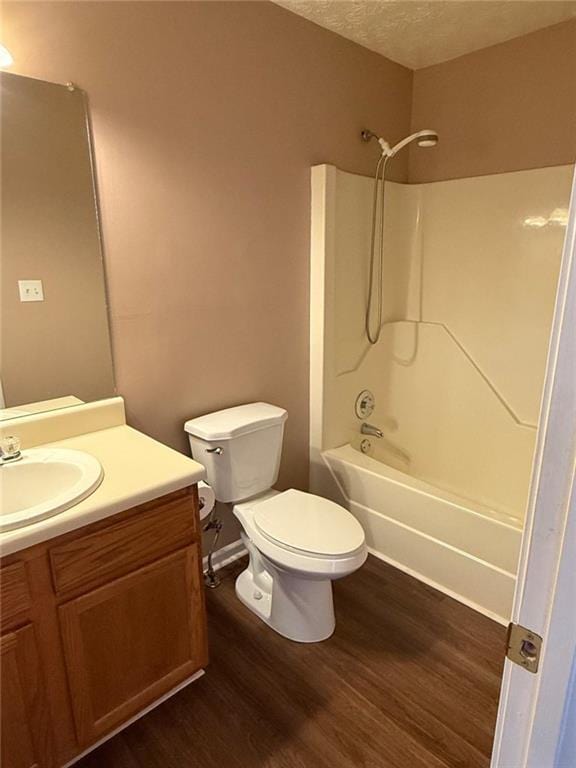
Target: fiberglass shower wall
<point>469,280</point>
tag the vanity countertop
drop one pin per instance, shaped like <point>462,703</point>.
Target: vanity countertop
<point>136,469</point>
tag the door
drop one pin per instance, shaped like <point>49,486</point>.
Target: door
<point>26,733</point>
<point>133,640</point>
<point>535,708</point>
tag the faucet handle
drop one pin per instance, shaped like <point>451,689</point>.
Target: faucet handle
<point>10,448</point>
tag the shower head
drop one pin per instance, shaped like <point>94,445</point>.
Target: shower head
<point>425,138</point>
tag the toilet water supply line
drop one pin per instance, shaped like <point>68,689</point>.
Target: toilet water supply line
<point>211,578</point>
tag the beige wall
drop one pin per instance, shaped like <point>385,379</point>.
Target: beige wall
<point>505,108</point>
<point>207,118</point>
<point>60,346</point>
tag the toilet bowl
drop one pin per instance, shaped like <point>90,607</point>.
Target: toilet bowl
<point>298,543</point>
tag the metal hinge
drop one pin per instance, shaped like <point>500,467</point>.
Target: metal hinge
<point>523,647</point>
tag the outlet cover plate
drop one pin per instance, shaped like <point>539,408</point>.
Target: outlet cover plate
<point>31,290</point>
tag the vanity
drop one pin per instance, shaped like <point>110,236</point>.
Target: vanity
<point>102,604</point>
<point>101,593</point>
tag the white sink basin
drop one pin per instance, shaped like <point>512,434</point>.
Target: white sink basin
<point>44,482</point>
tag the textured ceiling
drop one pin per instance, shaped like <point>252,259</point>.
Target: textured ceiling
<point>418,34</point>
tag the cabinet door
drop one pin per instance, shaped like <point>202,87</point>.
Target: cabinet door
<point>26,734</point>
<point>133,640</point>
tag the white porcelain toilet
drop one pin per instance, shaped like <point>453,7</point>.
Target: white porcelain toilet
<point>298,543</point>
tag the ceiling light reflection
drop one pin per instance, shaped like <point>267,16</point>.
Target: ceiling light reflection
<point>6,59</point>
<point>557,218</point>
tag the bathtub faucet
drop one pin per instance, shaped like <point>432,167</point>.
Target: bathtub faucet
<point>368,429</point>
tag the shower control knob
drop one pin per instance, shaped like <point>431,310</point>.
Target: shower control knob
<point>365,403</point>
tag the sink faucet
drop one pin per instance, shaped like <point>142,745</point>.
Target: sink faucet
<point>368,429</point>
<point>9,449</point>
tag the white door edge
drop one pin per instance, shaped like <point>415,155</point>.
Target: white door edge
<point>531,711</point>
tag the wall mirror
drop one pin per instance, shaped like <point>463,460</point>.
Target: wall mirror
<point>55,340</point>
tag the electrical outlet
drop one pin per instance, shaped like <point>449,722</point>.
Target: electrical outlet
<point>31,290</point>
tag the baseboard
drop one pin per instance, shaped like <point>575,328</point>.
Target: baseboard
<point>226,555</point>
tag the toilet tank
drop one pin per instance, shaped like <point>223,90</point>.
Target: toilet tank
<point>240,448</point>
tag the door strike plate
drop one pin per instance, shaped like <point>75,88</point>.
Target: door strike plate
<point>524,647</point>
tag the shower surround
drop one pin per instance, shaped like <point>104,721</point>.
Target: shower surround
<point>469,278</point>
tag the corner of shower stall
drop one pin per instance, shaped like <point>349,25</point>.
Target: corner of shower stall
<point>469,278</point>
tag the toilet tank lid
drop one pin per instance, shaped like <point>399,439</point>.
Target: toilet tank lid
<point>232,422</point>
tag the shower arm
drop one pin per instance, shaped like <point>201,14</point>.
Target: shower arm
<point>368,135</point>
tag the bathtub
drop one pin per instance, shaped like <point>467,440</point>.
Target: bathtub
<point>467,551</point>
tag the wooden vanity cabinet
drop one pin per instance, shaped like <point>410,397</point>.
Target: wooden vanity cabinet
<point>131,641</point>
<point>97,625</point>
<point>26,727</point>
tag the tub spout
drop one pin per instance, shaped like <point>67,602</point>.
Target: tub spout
<point>368,429</point>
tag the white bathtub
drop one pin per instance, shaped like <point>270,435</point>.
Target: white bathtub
<point>463,549</point>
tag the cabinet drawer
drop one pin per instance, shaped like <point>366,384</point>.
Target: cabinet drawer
<point>116,549</point>
<point>14,595</point>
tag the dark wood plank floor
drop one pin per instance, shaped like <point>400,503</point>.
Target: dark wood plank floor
<point>410,679</point>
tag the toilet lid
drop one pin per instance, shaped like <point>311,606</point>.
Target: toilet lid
<point>308,523</point>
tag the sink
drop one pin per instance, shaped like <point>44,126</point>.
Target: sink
<point>44,482</point>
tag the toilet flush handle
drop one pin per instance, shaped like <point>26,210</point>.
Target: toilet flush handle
<point>217,450</point>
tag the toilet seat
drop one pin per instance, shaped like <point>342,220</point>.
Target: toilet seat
<point>308,524</point>
<point>298,561</point>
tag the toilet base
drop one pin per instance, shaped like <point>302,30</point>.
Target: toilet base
<point>299,608</point>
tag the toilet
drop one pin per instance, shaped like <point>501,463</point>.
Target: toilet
<point>298,543</point>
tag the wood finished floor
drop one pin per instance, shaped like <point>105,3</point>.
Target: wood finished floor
<point>410,679</point>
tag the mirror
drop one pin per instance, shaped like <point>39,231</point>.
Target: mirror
<point>55,341</point>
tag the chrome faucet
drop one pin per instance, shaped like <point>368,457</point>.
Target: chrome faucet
<point>9,449</point>
<point>368,429</point>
